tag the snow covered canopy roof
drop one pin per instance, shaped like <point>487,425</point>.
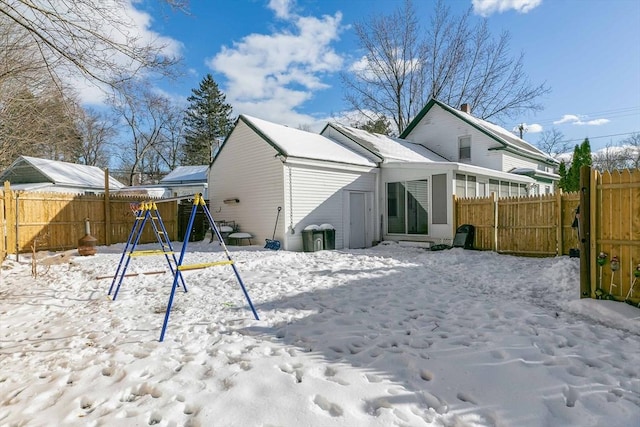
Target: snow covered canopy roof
<point>30,170</point>
<point>186,174</point>
<point>291,142</point>
<point>507,139</point>
<point>387,148</point>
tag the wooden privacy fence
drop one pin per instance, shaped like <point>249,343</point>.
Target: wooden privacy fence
<point>531,226</point>
<point>612,227</point>
<point>56,221</point>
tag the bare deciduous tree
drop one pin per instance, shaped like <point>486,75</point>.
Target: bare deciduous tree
<point>42,125</point>
<point>389,80</point>
<point>609,158</point>
<point>97,131</point>
<point>149,118</point>
<point>631,146</point>
<point>456,62</point>
<point>553,143</point>
<point>94,38</point>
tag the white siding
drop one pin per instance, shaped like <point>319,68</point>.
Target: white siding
<point>511,161</point>
<point>437,232</point>
<point>318,199</point>
<point>440,130</point>
<point>246,168</point>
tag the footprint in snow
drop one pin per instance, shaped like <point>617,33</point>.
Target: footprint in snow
<point>323,403</point>
<point>571,396</point>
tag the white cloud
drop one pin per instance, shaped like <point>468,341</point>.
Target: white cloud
<point>488,7</point>
<point>528,128</point>
<point>596,122</point>
<point>270,75</point>
<point>281,8</point>
<point>371,69</point>
<point>567,118</point>
<point>580,120</point>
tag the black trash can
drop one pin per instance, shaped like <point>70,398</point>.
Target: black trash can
<point>200,222</point>
<point>464,236</point>
<point>329,238</point>
<point>312,240</point>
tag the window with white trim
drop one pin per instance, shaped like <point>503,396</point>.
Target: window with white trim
<point>465,185</point>
<point>464,148</point>
<point>407,204</point>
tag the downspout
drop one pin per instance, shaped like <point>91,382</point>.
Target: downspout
<point>291,227</point>
<point>378,213</point>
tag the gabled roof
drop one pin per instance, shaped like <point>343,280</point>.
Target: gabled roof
<point>291,142</point>
<point>385,147</point>
<point>186,174</point>
<point>30,170</point>
<point>507,140</point>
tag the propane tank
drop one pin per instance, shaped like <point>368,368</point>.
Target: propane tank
<point>87,244</point>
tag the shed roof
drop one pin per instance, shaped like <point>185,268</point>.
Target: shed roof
<point>31,170</point>
<point>291,142</point>
<point>186,174</point>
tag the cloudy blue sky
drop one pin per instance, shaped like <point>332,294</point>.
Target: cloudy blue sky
<point>280,59</point>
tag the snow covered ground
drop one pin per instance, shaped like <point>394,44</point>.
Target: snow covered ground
<point>388,336</point>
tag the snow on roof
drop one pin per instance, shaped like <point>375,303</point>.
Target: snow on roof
<point>183,174</point>
<point>390,149</point>
<point>61,173</point>
<point>299,143</point>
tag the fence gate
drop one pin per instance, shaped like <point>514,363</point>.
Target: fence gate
<point>3,229</point>
<point>613,234</point>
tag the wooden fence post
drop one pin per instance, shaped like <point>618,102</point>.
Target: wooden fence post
<point>595,209</point>
<point>494,196</point>
<point>10,217</point>
<point>107,209</point>
<point>585,232</point>
<point>455,214</point>
<point>559,215</point>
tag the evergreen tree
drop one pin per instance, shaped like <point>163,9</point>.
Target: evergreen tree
<point>207,122</point>
<point>570,179</point>
<point>562,171</point>
<point>380,125</point>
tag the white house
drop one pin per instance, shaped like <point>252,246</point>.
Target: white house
<point>262,166</point>
<point>459,137</point>
<point>183,181</point>
<point>44,175</point>
<point>370,187</point>
<point>187,180</point>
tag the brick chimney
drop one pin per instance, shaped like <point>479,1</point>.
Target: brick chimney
<point>466,108</point>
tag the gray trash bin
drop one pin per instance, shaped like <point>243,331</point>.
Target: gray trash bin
<point>312,240</point>
<point>329,238</point>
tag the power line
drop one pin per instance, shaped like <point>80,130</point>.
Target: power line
<point>613,113</point>
<point>598,137</point>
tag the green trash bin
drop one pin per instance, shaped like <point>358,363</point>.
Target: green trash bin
<point>312,240</point>
<point>328,237</point>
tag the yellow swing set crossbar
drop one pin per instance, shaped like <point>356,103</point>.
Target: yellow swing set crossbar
<point>203,265</point>
<point>147,253</point>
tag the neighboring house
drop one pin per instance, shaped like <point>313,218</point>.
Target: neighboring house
<point>183,181</point>
<point>370,187</point>
<point>44,175</point>
<point>187,181</point>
